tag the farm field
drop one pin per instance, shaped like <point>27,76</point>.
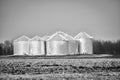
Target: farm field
<point>62,68</point>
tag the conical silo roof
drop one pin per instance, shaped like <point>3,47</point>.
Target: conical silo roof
<point>57,36</point>
<point>36,38</point>
<point>65,35</point>
<point>82,35</point>
<point>22,38</point>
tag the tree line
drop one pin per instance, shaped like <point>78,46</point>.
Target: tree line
<point>6,48</point>
<point>106,47</point>
<point>99,47</point>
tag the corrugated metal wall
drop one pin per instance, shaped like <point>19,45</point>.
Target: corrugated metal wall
<point>57,48</point>
<point>86,46</point>
<point>21,48</point>
<point>73,47</point>
<point>37,47</point>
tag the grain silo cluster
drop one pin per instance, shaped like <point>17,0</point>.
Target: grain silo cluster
<point>58,43</point>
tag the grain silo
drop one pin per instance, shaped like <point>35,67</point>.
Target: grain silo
<point>57,44</point>
<point>36,45</point>
<point>21,46</point>
<point>72,44</point>
<point>85,43</point>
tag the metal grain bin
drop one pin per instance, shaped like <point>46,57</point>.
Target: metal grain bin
<point>57,44</point>
<point>72,44</point>
<point>21,46</point>
<point>85,43</point>
<point>36,45</point>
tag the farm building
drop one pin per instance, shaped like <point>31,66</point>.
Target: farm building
<point>36,45</point>
<point>21,46</point>
<point>57,44</point>
<point>72,44</point>
<point>85,43</point>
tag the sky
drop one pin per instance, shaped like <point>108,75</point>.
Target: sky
<point>98,18</point>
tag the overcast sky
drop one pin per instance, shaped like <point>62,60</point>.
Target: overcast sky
<point>99,18</point>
